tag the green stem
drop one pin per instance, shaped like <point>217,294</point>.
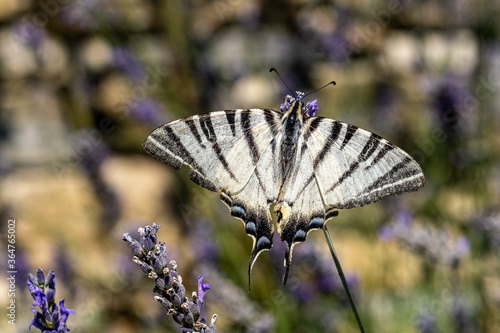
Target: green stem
<point>342,277</point>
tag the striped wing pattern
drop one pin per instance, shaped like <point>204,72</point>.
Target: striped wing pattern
<point>356,167</point>
<point>231,152</point>
<point>339,166</point>
<point>237,153</point>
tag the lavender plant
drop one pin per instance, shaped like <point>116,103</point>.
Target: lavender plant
<point>150,255</point>
<point>435,245</point>
<point>51,318</point>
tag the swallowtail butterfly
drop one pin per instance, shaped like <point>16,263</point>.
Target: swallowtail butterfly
<point>309,166</point>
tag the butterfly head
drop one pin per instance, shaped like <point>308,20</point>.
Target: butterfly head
<point>295,103</point>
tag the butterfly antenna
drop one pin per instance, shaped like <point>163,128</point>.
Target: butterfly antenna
<point>326,85</point>
<point>274,70</point>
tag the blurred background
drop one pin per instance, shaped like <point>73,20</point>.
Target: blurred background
<point>82,83</point>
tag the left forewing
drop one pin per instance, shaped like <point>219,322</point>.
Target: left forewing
<point>221,148</point>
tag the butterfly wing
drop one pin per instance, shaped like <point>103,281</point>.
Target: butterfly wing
<point>338,166</point>
<point>230,152</point>
<point>356,167</point>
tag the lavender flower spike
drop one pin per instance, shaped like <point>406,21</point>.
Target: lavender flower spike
<point>309,110</point>
<point>151,257</point>
<point>50,319</point>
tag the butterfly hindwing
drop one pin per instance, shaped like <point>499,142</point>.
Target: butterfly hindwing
<point>252,207</point>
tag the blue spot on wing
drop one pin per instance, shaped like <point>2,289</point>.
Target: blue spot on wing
<point>316,222</point>
<point>238,211</point>
<point>250,228</point>
<point>300,236</point>
<point>263,243</point>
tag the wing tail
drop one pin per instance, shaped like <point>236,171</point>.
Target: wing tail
<point>252,207</point>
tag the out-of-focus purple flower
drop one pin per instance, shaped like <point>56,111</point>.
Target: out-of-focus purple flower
<point>425,323</point>
<point>146,110</point>
<point>336,46</point>
<point>170,292</point>
<point>124,60</point>
<point>331,39</point>
<point>51,318</point>
<point>385,233</point>
<point>435,245</point>
<point>488,228</point>
<point>231,298</point>
<point>454,110</point>
<point>202,240</point>
<point>462,246</point>
<point>93,151</point>
<point>463,317</point>
<point>87,15</point>
<point>26,32</point>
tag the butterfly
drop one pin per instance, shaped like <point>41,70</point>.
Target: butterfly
<point>308,166</point>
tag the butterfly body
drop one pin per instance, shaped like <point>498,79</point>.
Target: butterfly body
<point>291,126</point>
<point>309,166</point>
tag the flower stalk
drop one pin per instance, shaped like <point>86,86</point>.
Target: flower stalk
<point>343,279</point>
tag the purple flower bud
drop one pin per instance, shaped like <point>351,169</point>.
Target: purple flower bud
<point>65,312</point>
<point>385,233</point>
<point>288,102</point>
<point>310,108</point>
<point>52,318</point>
<point>202,287</point>
<point>135,246</point>
<point>40,277</point>
<point>462,245</point>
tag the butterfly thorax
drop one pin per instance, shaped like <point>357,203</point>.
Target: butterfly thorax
<point>292,123</point>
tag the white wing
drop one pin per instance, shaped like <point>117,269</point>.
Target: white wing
<point>338,166</point>
<point>356,167</point>
<point>221,148</point>
<point>231,152</point>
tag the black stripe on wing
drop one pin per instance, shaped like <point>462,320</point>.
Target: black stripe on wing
<point>177,153</point>
<point>387,148</point>
<point>367,151</point>
<point>399,171</point>
<point>334,134</point>
<point>247,132</point>
<point>230,116</point>
<point>350,131</point>
<point>208,130</point>
<point>192,127</point>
